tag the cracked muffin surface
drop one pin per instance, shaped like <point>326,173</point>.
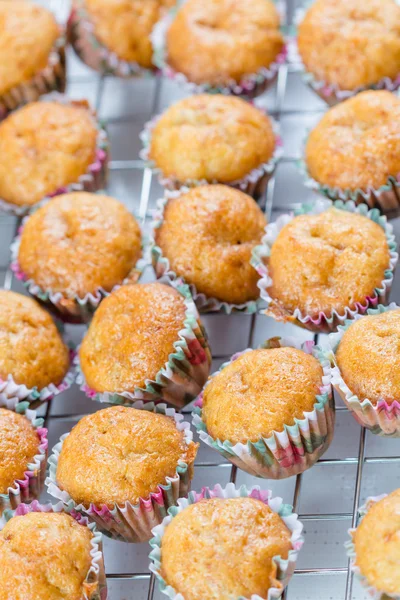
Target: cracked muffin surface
<point>45,556</point>
<point>44,146</point>
<point>325,262</point>
<point>121,454</point>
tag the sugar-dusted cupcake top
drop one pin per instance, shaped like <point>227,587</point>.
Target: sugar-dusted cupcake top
<point>223,548</point>
<point>124,26</point>
<point>45,555</point>
<point>27,36</point>
<point>377,547</point>
<point>78,243</point>
<point>260,392</point>
<point>357,143</point>
<point>31,349</point>
<point>19,443</point>
<point>208,235</point>
<point>351,43</point>
<point>131,336</point>
<point>43,147</point>
<point>217,41</point>
<point>121,454</point>
<point>368,357</point>
<point>325,262</point>
<point>211,137</point>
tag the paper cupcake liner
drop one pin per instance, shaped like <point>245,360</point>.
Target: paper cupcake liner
<point>290,451</point>
<point>51,78</point>
<point>93,180</point>
<point>323,323</point>
<point>351,553</point>
<point>382,418</point>
<point>283,568</point>
<point>182,377</point>
<point>31,486</point>
<point>95,583</point>
<point>254,183</point>
<point>132,522</point>
<point>81,36</point>
<point>69,309</point>
<point>164,273</point>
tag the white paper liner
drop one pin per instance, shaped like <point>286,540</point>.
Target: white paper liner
<point>96,573</point>
<point>323,323</point>
<point>285,567</point>
<point>132,522</point>
<point>382,418</point>
<point>294,449</point>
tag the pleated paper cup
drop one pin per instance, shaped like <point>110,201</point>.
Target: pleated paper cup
<point>131,522</point>
<point>283,568</point>
<point>323,322</point>
<point>294,449</point>
<point>95,584</point>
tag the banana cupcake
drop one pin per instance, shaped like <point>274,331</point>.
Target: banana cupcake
<point>23,454</point>
<point>145,342</point>
<point>124,467</point>
<point>326,265</point>
<point>225,46</point>
<point>204,237</point>
<point>114,36</point>
<point>74,250</point>
<point>32,54</point>
<point>354,152</point>
<point>34,360</point>
<point>223,532</point>
<point>47,553</point>
<point>48,148</point>
<point>350,45</point>
<point>269,411</point>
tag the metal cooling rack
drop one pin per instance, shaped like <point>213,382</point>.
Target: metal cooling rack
<point>356,465</point>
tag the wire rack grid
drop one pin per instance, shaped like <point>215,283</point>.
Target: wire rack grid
<point>357,464</point>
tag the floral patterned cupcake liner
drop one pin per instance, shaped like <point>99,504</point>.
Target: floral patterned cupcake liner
<point>351,553</point>
<point>31,486</point>
<point>290,451</point>
<point>51,78</point>
<point>283,568</point>
<point>164,273</point>
<point>93,180</point>
<point>382,418</point>
<point>91,51</point>
<point>254,183</point>
<point>323,323</point>
<point>183,376</point>
<point>132,522</point>
<point>95,584</point>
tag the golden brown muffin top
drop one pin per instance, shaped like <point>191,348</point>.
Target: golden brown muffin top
<point>19,443</point>
<point>27,36</point>
<point>368,357</point>
<point>119,455</point>
<point>223,548</point>
<point>80,242</point>
<point>325,262</point>
<point>131,336</point>
<point>377,545</point>
<point>351,43</point>
<point>260,392</point>
<point>208,235</point>
<point>357,143</point>
<point>31,349</point>
<point>211,137</point>
<point>44,146</point>
<point>124,26</point>
<point>217,41</point>
<point>45,556</point>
